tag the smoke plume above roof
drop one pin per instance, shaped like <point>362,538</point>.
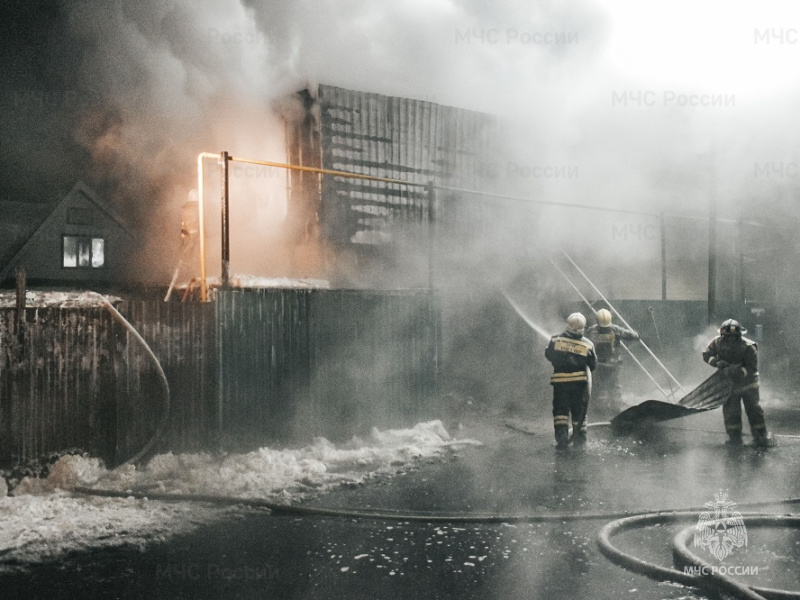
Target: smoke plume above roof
<point>646,107</point>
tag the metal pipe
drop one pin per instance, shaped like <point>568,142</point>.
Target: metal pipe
<point>621,318</point>
<point>267,163</point>
<point>226,227</point>
<point>201,223</point>
<point>621,343</point>
<point>588,207</point>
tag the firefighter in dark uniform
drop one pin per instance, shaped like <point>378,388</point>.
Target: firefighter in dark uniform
<point>573,359</point>
<point>737,357</point>
<point>606,338</point>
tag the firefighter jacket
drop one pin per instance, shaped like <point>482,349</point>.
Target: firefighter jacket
<point>741,356</point>
<point>606,341</point>
<point>571,354</point>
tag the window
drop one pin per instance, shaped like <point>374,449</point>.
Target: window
<point>81,251</point>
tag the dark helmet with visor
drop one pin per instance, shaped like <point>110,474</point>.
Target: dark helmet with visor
<point>731,327</point>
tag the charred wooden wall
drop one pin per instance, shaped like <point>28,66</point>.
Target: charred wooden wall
<point>379,230</point>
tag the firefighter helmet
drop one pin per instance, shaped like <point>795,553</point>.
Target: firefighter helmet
<point>576,323</point>
<point>603,317</point>
<point>732,327</point>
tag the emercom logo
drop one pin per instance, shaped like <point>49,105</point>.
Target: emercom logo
<point>721,528</point>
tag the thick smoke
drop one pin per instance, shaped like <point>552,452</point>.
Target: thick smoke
<point>608,104</point>
<point>663,108</point>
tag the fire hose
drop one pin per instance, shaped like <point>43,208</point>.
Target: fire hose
<point>708,577</point>
<point>162,424</point>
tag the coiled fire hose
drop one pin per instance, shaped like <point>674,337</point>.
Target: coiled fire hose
<point>708,578</point>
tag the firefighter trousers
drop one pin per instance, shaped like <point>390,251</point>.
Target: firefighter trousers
<point>732,415</point>
<point>570,400</point>
<point>605,382</point>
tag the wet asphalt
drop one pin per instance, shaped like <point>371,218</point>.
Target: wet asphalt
<point>680,464</point>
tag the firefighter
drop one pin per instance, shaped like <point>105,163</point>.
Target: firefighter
<point>737,357</point>
<point>573,359</point>
<point>606,338</point>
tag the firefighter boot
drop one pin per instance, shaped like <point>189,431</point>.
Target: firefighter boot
<point>562,436</point>
<point>763,439</point>
<point>578,433</point>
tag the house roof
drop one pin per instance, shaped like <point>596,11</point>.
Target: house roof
<point>18,222</point>
<point>21,223</point>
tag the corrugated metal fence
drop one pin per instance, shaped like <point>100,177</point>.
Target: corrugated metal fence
<point>324,362</point>
<point>253,368</point>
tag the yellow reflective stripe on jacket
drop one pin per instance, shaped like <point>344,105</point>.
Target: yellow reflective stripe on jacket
<point>560,420</point>
<point>565,344</point>
<point>605,338</point>
<point>565,377</point>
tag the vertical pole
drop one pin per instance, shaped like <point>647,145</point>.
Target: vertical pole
<point>431,233</point>
<point>201,226</point>
<point>226,227</point>
<point>433,311</point>
<point>22,289</point>
<point>663,258</point>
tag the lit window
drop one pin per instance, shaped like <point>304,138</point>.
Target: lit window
<point>80,251</point>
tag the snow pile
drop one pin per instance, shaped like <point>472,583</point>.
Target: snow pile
<point>285,475</point>
<point>38,528</point>
<point>34,299</point>
<point>255,282</point>
<point>41,520</point>
<point>251,281</point>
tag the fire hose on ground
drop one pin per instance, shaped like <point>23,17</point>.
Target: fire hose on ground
<point>707,577</point>
<point>699,574</point>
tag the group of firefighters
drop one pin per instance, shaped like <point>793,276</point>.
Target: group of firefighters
<point>579,353</point>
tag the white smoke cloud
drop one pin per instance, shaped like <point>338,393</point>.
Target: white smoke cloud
<point>626,99</point>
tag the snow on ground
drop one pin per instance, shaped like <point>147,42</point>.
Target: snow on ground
<point>74,299</point>
<point>43,519</point>
<point>53,299</point>
<point>240,280</point>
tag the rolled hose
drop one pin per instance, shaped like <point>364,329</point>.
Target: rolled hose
<point>682,556</point>
<point>712,581</point>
